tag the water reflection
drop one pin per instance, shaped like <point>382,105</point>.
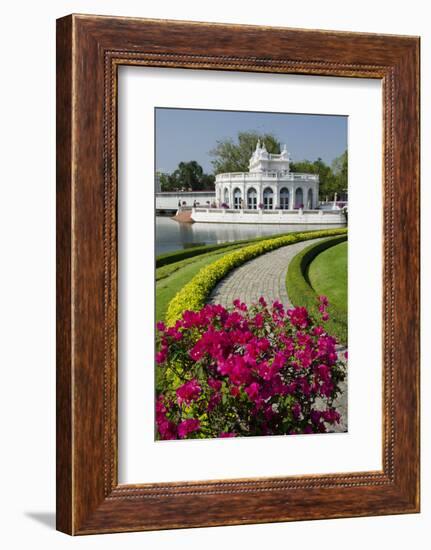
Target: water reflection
<point>172,235</point>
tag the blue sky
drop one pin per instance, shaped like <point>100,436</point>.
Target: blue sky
<point>189,134</point>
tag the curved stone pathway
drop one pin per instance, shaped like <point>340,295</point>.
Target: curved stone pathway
<point>266,276</point>
<point>262,276</point>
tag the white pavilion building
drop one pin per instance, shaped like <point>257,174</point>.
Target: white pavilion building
<point>269,193</point>
<point>269,184</point>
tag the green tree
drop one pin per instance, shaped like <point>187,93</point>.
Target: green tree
<point>327,181</point>
<point>230,156</point>
<point>340,167</point>
<point>188,175</point>
<point>167,182</point>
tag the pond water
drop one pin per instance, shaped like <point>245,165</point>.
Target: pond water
<point>172,235</point>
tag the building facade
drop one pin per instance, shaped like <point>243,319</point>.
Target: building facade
<point>269,185</point>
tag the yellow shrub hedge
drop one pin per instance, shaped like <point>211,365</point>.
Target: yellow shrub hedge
<point>194,294</point>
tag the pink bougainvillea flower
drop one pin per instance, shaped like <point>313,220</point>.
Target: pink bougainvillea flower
<point>263,344</point>
<point>160,406</point>
<point>279,360</point>
<point>160,326</point>
<point>304,357</point>
<point>215,343</point>
<point>302,338</point>
<point>264,370</point>
<point>188,426</point>
<point>188,392</point>
<point>258,320</point>
<point>298,317</point>
<point>162,355</point>
<point>315,416</point>
<point>331,416</point>
<point>262,301</point>
<point>252,391</point>
<point>323,301</point>
<point>227,434</point>
<point>214,383</point>
<point>234,391</point>
<point>233,320</point>
<point>239,372</point>
<point>224,366</point>
<point>318,330</point>
<point>278,306</point>
<point>303,386</point>
<point>327,389</point>
<point>289,345</point>
<point>173,333</point>
<point>167,429</point>
<point>240,305</point>
<point>296,410</point>
<point>323,372</point>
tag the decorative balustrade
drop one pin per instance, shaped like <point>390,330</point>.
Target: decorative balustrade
<point>276,216</point>
<point>257,176</point>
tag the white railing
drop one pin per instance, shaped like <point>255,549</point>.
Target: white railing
<point>251,176</point>
<point>270,217</point>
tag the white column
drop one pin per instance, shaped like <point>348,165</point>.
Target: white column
<point>292,197</point>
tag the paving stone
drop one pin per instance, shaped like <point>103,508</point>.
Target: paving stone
<point>262,276</point>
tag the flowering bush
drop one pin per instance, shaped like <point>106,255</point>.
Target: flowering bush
<point>193,295</point>
<point>247,371</point>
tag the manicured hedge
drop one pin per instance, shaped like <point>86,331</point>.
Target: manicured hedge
<point>178,255</point>
<point>301,293</point>
<point>194,294</point>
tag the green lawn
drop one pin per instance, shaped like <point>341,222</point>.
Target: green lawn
<point>327,274</point>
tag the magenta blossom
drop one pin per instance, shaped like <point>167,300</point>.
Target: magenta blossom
<point>298,317</point>
<point>161,355</point>
<point>188,392</point>
<point>323,301</point>
<point>188,426</point>
<point>252,391</point>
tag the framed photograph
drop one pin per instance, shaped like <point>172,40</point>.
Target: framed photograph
<point>237,274</point>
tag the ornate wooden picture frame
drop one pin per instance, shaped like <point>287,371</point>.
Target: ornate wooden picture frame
<point>89,51</point>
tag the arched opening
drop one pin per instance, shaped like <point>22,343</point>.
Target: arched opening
<point>310,199</point>
<point>237,199</point>
<point>268,198</point>
<point>284,198</point>
<point>299,198</point>
<point>226,196</point>
<point>252,199</point>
